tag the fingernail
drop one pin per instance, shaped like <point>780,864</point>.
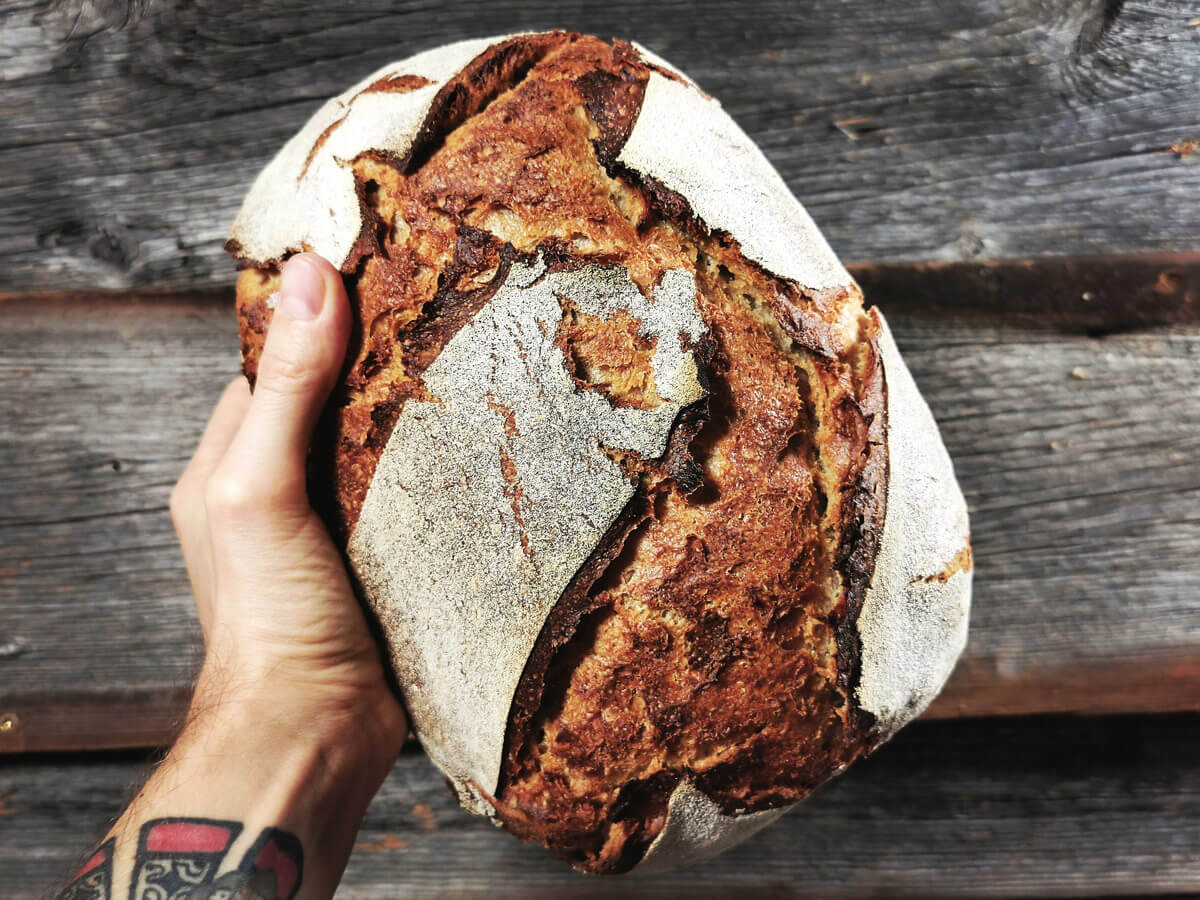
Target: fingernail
<point>302,289</point>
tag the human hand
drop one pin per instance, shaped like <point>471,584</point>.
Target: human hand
<point>283,631</point>
<point>292,726</point>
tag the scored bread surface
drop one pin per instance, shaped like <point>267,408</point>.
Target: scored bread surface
<point>508,538</point>
<point>383,113</point>
<point>730,186</point>
<point>913,623</point>
<point>659,531</point>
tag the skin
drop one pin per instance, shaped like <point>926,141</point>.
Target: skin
<point>292,726</point>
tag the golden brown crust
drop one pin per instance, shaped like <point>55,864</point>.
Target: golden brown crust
<point>711,644</point>
<point>710,635</point>
<point>523,173</point>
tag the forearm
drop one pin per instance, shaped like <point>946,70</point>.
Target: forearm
<point>253,796</point>
<point>292,726</point>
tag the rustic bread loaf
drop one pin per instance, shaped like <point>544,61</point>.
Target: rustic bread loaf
<point>657,527</point>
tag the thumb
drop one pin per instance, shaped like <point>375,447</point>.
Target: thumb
<point>301,358</point>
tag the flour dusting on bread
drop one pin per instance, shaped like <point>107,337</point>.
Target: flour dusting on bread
<point>492,493</point>
<point>657,527</point>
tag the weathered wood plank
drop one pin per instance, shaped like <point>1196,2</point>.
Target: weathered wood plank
<point>1077,444</point>
<point>917,130</point>
<point>1046,807</point>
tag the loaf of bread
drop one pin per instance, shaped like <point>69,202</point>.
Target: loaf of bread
<point>656,525</point>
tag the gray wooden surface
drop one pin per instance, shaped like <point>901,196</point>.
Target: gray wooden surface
<point>919,131</point>
<point>914,130</point>
<point>1049,807</point>
<point>1077,444</point>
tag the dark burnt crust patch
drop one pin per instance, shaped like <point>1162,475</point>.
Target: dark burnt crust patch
<point>476,85</point>
<point>241,261</point>
<point>862,529</point>
<point>679,464</point>
<point>863,513</point>
<point>614,101</point>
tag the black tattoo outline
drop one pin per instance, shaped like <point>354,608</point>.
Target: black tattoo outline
<point>175,872</point>
<point>272,869</point>
<point>93,881</point>
<point>286,844</point>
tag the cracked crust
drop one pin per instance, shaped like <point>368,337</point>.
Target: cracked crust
<point>610,455</point>
<point>516,460</point>
<point>913,623</point>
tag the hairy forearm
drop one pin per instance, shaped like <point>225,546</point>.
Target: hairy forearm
<point>292,726</point>
<point>252,801</point>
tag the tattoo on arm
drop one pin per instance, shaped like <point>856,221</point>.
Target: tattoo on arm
<point>94,880</point>
<point>181,858</point>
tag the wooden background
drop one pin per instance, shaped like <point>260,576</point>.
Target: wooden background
<point>928,138</point>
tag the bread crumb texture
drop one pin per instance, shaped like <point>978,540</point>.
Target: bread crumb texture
<point>706,637</point>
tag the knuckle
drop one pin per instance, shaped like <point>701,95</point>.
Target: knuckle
<point>227,498</point>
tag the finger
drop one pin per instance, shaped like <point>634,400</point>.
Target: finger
<point>303,352</point>
<point>187,498</point>
<point>222,425</point>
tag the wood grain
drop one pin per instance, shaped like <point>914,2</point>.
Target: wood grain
<point>1076,440</point>
<point>1047,807</point>
<point>916,130</point>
